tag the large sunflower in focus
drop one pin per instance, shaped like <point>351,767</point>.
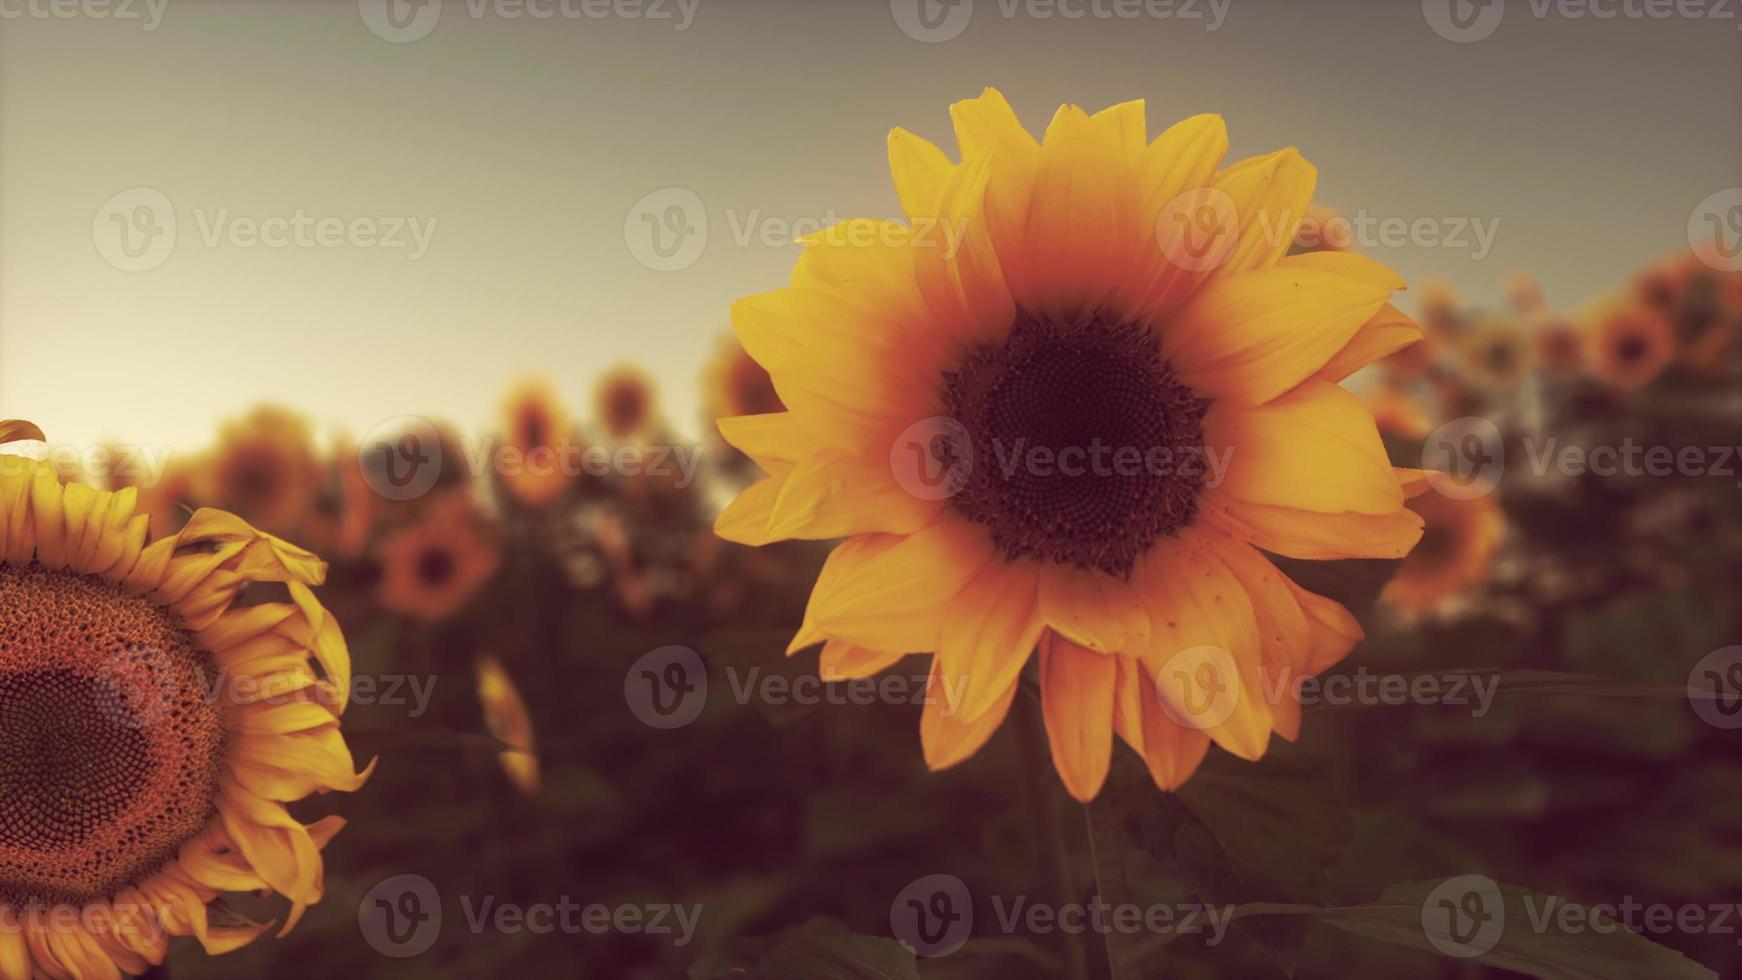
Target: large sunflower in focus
<point>1062,409</point>
<point>155,726</point>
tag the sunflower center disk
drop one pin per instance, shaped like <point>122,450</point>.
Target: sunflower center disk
<point>112,744</point>
<point>1085,447</point>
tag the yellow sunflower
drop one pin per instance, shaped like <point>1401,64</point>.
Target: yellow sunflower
<point>265,469</point>
<point>536,428</point>
<point>506,717</point>
<point>155,727</point>
<point>1495,352</point>
<point>1633,344</point>
<point>1559,346</point>
<point>736,385</point>
<point>438,562</point>
<point>1456,552</point>
<point>624,401</point>
<point>1061,409</point>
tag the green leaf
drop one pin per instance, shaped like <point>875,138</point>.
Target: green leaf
<point>1508,927</point>
<point>814,955</point>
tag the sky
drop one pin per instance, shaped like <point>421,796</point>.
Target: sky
<point>366,209</point>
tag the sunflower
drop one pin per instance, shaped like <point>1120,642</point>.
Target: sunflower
<point>1633,344</point>
<point>265,469</point>
<point>506,717</point>
<point>536,429</point>
<point>1397,413</point>
<point>1495,352</point>
<point>438,562</point>
<point>735,384</point>
<point>1559,347</point>
<point>624,402</point>
<point>966,394</point>
<point>1456,552</point>
<point>155,726</point>
<point>1524,293</point>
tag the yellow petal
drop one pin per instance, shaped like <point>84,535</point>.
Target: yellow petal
<point>1270,193</point>
<point>956,263</point>
<point>945,738</point>
<point>16,430</point>
<point>842,661</point>
<point>1316,448</point>
<point>989,631</point>
<point>1385,333</point>
<point>1182,159</point>
<point>1317,536</point>
<point>920,170</point>
<point>892,591</point>
<point>1076,686</point>
<point>988,126</point>
<point>1248,338</point>
<point>1093,609</point>
<point>1171,751</point>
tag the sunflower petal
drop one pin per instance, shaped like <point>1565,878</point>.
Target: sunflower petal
<point>1077,701</point>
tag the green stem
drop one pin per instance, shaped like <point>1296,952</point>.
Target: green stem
<point>1111,886</point>
<point>1044,815</point>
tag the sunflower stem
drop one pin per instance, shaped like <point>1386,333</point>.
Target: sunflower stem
<point>1111,887</point>
<point>1053,847</point>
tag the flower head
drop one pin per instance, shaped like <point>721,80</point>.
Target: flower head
<point>438,562</point>
<point>1062,408</point>
<point>156,725</point>
<point>1633,344</point>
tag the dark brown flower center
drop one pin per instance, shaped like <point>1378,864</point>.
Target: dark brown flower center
<point>112,744</point>
<point>1631,347</point>
<point>1085,448</point>
<point>435,566</point>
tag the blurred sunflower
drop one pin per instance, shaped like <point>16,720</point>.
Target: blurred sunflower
<point>265,469</point>
<point>1496,352</point>
<point>536,428</point>
<point>506,718</point>
<point>1559,347</point>
<point>1455,554</point>
<point>1524,293</point>
<point>438,562</point>
<point>1091,291</point>
<point>1632,346</point>
<point>624,402</point>
<point>155,727</point>
<point>735,384</point>
<point>1397,413</point>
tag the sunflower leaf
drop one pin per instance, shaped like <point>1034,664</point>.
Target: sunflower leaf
<point>1507,927</point>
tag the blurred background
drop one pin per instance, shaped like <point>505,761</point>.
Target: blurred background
<point>342,266</point>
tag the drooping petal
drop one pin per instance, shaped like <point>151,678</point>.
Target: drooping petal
<point>1076,698</point>
<point>989,631</point>
<point>892,591</point>
<point>946,738</point>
